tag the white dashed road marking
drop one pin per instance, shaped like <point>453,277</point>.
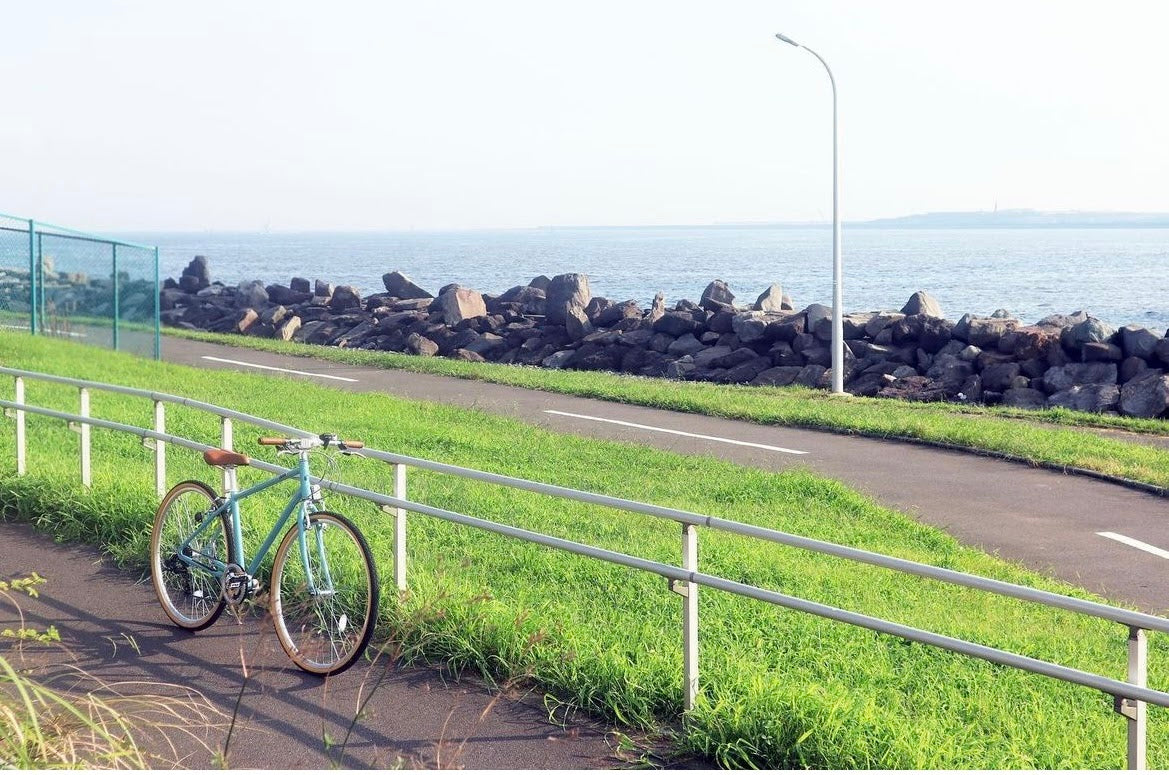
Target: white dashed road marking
<point>274,368</point>
<point>736,442</point>
<point>1134,543</point>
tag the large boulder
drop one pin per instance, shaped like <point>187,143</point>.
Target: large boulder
<point>921,303</point>
<point>398,284</point>
<point>1138,342</point>
<point>717,297</point>
<point>251,294</point>
<point>564,292</point>
<point>1087,398</point>
<point>196,276</point>
<point>459,304</point>
<point>1059,378</point>
<point>1088,330</point>
<point>344,297</point>
<point>771,300</point>
<point>1146,396</point>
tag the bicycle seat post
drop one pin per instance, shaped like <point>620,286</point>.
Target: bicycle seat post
<point>230,480</point>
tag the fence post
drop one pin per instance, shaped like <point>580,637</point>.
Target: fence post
<point>1138,674</point>
<point>225,442</point>
<point>157,310</point>
<point>117,301</point>
<point>400,528</point>
<point>160,449</point>
<point>86,475</point>
<point>32,275</point>
<point>690,615</point>
<point>20,463</point>
<point>41,284</point>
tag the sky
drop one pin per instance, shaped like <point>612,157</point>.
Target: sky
<point>447,114</point>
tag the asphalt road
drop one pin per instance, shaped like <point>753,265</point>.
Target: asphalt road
<point>1045,520</point>
<point>114,630</point>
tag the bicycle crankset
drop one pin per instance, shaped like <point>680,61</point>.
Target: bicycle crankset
<point>237,584</point>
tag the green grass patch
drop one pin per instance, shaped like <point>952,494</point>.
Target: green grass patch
<point>780,689</point>
<point>1056,437</point>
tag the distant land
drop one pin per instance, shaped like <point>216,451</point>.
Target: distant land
<point>981,219</point>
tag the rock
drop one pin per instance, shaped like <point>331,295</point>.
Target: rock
<point>615,313</point>
<point>746,371</point>
<point>786,329</point>
<point>998,376</point>
<point>1146,396</point>
<point>288,327</point>
<point>1024,398</point>
<point>420,345</point>
<point>1029,341</point>
<point>576,323</point>
<point>345,297</point>
<point>280,294</point>
<point>322,289</point>
<point>675,323</point>
<point>717,297</point>
<point>771,300</point>
<point>1087,398</point>
<point>734,358</point>
<point>566,291</point>
<point>1101,351</point>
<point>401,286</point>
<point>251,294</point>
<point>1089,330</point>
<point>246,319</point>
<point>1138,342</point>
<point>1059,378</point>
<point>749,327</point>
<point>657,308</point>
<point>467,355</point>
<point>810,375</point>
<point>921,303</point>
<point>540,282</point>
<point>459,304</point>
<point>1063,321</point>
<point>880,321</point>
<point>196,276</point>
<point>299,284</point>
<point>983,332</point>
<point>777,376</point>
<point>813,314</point>
<point>559,359</point>
<point>1131,368</point>
<point>686,344</point>
<point>1162,351</point>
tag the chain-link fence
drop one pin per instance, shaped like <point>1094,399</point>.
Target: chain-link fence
<point>67,283</point>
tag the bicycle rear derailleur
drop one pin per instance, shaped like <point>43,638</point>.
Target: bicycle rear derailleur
<point>238,585</point>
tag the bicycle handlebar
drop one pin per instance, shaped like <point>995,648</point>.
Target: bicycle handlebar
<point>324,441</point>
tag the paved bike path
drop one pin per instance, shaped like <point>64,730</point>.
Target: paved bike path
<point>1043,519</point>
<point>113,628</point>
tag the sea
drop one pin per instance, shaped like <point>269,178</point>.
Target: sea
<point>1119,275</point>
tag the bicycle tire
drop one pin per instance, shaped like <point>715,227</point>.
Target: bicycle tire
<point>191,597</point>
<point>326,631</point>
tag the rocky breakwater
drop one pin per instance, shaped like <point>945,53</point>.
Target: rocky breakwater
<point>1073,361</point>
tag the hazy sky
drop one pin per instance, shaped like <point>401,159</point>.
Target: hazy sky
<point>450,114</point>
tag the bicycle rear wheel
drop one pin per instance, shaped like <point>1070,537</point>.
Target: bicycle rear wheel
<point>324,614</point>
<point>187,579</point>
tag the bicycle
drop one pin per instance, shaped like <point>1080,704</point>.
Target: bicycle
<point>323,591</point>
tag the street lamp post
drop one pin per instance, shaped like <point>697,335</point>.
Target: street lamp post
<point>837,268</point>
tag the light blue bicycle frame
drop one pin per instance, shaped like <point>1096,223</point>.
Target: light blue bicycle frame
<point>301,503</point>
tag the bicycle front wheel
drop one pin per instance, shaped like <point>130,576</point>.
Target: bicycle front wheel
<point>324,613</point>
<point>185,565</point>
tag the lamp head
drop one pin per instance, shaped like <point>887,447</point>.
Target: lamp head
<point>786,39</point>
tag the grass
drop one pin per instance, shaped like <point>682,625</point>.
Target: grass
<point>779,689</point>
<point>1056,437</point>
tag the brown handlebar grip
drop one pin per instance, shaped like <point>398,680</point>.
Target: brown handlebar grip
<point>271,441</point>
<point>353,444</point>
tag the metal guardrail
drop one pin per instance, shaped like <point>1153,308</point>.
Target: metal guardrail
<point>1129,697</point>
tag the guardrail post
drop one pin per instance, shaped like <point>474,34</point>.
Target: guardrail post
<point>1138,674</point>
<point>226,442</point>
<point>690,615</point>
<point>160,449</point>
<point>20,462</point>
<point>86,475</point>
<point>400,528</point>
